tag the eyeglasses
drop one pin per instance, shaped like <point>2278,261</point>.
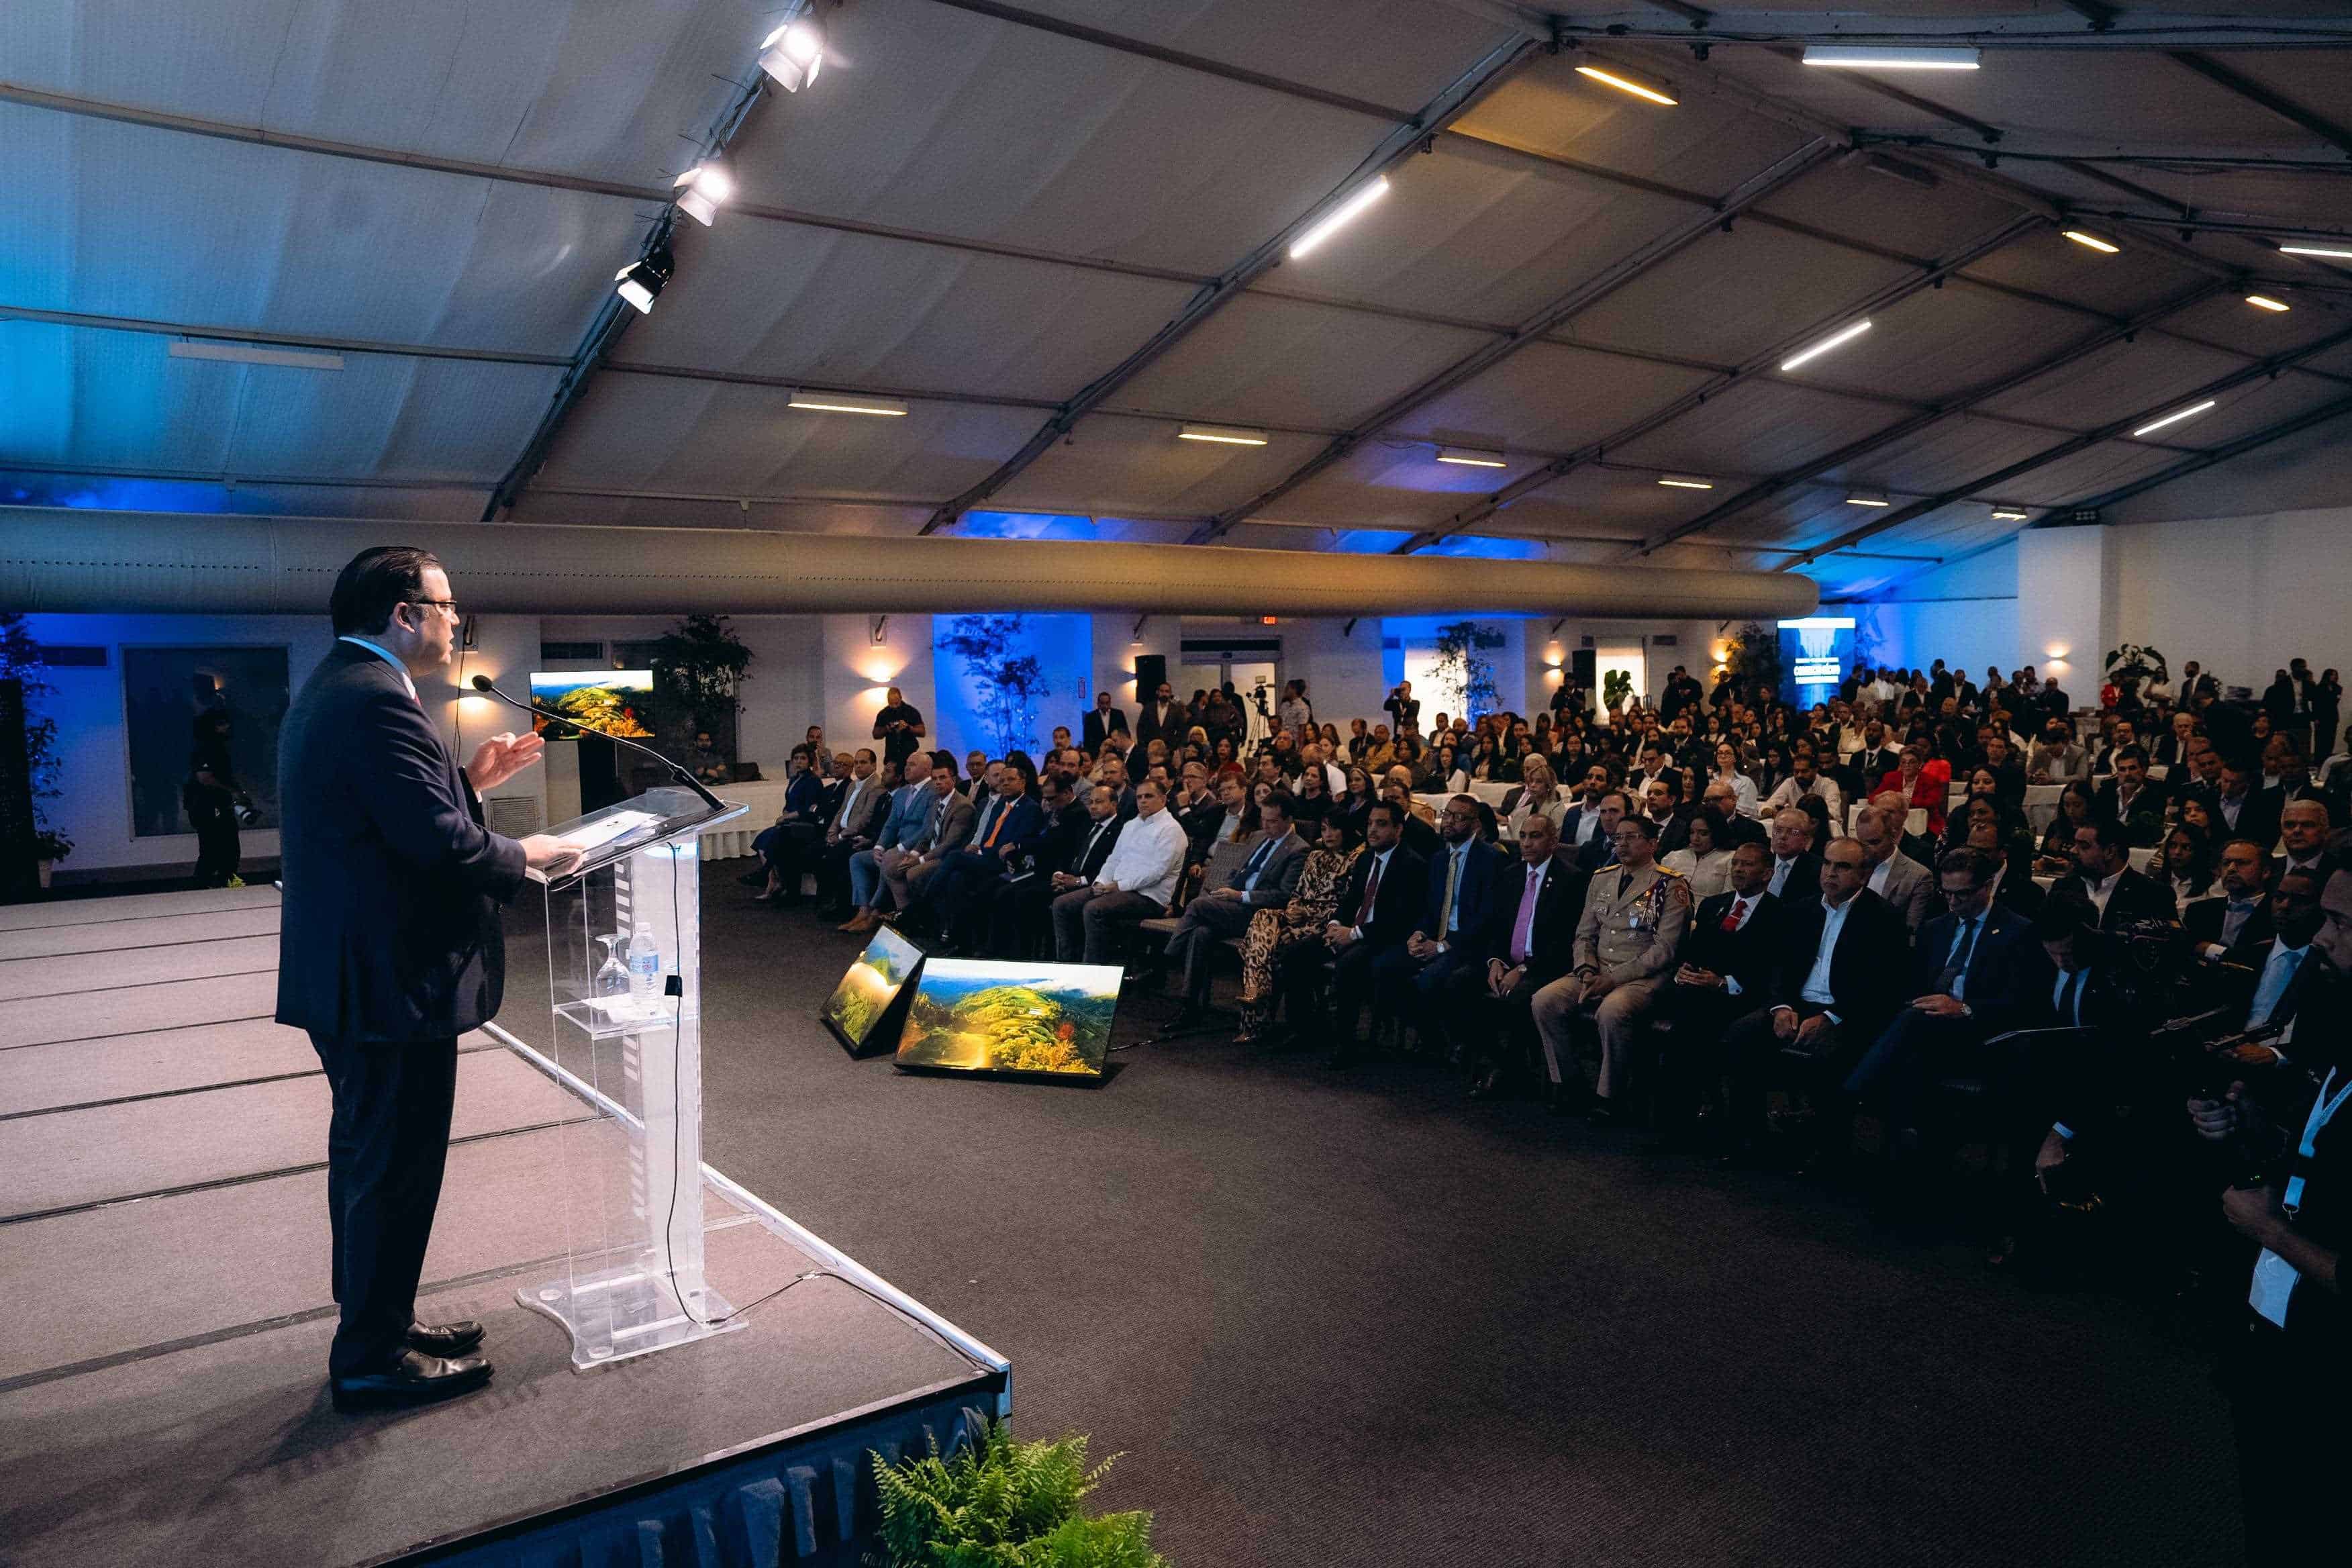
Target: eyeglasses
<point>447,607</point>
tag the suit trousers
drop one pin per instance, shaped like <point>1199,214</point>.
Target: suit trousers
<point>1208,920</point>
<point>1616,1019</point>
<point>904,873</point>
<point>1421,991</point>
<point>1899,1072</point>
<point>386,1145</point>
<point>1084,919</point>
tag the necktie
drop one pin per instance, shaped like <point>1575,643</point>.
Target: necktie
<point>1446,907</point>
<point>1257,863</point>
<point>1523,929</point>
<point>2277,976</point>
<point>1736,913</point>
<point>996,825</point>
<point>2071,1010</point>
<point>1625,880</point>
<point>1092,840</point>
<point>1964,947</point>
<point>1371,893</point>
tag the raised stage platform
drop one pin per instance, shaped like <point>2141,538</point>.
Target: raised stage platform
<point>163,1258</point>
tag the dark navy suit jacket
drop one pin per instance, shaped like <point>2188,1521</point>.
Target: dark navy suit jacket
<point>390,927</point>
<point>1481,876</point>
<point>2010,977</point>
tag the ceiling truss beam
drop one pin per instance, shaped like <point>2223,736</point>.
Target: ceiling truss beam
<point>1536,328</point>
<point>653,197</point>
<point>2238,448</point>
<point>2255,93</point>
<point>2108,432</point>
<point>1756,366</point>
<point>1403,141</point>
<point>1902,429</point>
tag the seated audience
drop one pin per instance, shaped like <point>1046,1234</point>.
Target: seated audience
<point>1635,915</point>
<point>1528,943</point>
<point>1266,879</point>
<point>1135,884</point>
<point>1378,906</point>
<point>1411,980</point>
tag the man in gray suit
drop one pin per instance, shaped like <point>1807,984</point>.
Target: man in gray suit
<point>1894,876</point>
<point>947,823</point>
<point>856,824</point>
<point>1264,881</point>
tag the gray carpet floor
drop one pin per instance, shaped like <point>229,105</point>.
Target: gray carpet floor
<point>1357,1319</point>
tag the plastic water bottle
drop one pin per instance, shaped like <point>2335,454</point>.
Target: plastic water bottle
<point>644,969</point>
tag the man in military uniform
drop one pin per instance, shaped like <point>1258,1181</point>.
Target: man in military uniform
<point>1635,915</point>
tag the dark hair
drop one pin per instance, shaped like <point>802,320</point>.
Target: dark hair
<point>1283,801</point>
<point>944,760</point>
<point>2063,918</point>
<point>2130,755</point>
<point>2107,831</point>
<point>1641,824</point>
<point>1350,835</point>
<point>1396,812</point>
<point>376,580</point>
<point>1977,867</point>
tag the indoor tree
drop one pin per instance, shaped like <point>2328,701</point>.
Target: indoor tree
<point>1462,674</point>
<point>1010,684</point>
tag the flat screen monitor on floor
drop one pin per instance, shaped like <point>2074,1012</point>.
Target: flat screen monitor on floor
<point>863,1010</point>
<point>1033,1020</point>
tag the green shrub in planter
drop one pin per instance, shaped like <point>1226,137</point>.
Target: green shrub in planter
<point>1003,1504</point>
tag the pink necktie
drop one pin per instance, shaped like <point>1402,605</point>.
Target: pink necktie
<point>1523,929</point>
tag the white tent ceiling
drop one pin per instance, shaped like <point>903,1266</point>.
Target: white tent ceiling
<point>985,207</point>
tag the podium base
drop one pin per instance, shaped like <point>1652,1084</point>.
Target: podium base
<point>615,1316</point>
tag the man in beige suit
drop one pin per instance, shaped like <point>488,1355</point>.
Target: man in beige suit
<point>1635,915</point>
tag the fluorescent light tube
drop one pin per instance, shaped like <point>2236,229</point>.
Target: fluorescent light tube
<point>2176,418</point>
<point>2264,302</point>
<point>1892,57</point>
<point>1684,482</point>
<point>1224,434</point>
<point>2315,250</point>
<point>237,353</point>
<point>1867,497</point>
<point>1371,191</point>
<point>2092,241</point>
<point>2010,514</point>
<point>1472,457</point>
<point>1624,80</point>
<point>1827,344</point>
<point>847,403</point>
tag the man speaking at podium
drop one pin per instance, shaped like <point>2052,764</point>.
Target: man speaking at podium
<point>389,949</point>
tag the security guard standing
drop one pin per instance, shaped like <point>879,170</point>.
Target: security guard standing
<point>1634,916</point>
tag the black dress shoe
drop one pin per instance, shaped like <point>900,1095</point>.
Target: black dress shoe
<point>414,1379</point>
<point>1487,1085</point>
<point>445,1339</point>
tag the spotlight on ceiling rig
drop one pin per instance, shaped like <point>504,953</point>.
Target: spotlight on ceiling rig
<point>641,282</point>
<point>793,53</point>
<point>702,190</point>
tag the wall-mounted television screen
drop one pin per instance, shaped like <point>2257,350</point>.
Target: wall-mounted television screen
<point>609,701</point>
<point>863,1011</point>
<point>1043,1020</point>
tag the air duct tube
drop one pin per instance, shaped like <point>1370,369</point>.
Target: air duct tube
<point>116,563</point>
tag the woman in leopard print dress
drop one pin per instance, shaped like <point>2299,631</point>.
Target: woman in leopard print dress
<point>1275,932</point>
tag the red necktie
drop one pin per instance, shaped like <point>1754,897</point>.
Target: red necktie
<point>1371,894</point>
<point>1738,913</point>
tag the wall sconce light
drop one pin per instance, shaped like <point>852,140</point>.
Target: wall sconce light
<point>880,633</point>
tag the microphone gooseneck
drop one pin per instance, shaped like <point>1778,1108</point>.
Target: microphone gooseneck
<point>483,683</point>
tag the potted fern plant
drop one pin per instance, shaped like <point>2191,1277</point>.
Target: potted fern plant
<point>1003,1504</point>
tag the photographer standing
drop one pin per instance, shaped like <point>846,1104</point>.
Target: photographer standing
<point>2290,1373</point>
<point>210,796</point>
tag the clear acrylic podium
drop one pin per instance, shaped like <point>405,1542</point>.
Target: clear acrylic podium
<point>631,1172</point>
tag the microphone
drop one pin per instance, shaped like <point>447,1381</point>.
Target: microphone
<point>482,683</point>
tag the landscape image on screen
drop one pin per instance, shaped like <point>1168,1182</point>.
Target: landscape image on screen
<point>872,982</point>
<point>609,701</point>
<point>976,1015</point>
